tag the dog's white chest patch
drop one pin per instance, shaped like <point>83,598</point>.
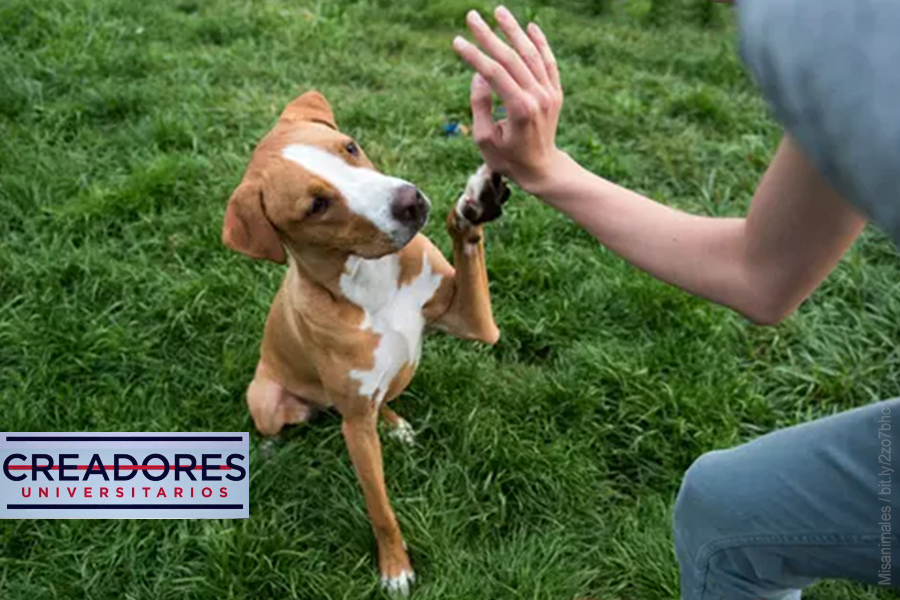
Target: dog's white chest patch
<point>392,311</point>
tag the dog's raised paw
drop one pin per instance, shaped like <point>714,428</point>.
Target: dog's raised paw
<point>482,201</point>
<point>399,585</point>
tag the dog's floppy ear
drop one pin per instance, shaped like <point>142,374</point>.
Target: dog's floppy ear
<point>311,106</point>
<point>247,229</point>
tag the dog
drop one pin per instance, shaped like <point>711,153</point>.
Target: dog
<point>361,287</point>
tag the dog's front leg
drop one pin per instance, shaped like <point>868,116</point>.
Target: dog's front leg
<point>361,436</point>
<point>469,314</point>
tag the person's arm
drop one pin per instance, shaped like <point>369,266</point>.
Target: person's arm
<point>763,266</point>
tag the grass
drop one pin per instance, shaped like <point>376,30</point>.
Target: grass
<point>547,466</point>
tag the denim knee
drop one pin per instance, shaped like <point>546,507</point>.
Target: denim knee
<point>713,512</point>
<point>704,511</point>
<point>728,537</point>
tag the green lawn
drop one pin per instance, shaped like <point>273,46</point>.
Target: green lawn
<point>545,467</point>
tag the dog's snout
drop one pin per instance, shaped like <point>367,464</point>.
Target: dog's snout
<point>409,206</point>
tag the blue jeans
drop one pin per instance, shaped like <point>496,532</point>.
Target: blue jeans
<point>815,501</point>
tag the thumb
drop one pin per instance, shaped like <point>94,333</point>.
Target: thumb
<point>482,104</point>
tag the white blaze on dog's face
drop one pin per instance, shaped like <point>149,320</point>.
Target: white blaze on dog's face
<point>395,207</point>
<point>310,186</point>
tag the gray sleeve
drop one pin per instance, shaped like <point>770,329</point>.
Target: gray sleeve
<point>830,70</point>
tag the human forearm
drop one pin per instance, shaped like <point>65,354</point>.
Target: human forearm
<point>702,255</point>
<point>763,266</point>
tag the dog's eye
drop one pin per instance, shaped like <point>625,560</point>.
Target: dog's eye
<point>352,149</point>
<point>318,206</point>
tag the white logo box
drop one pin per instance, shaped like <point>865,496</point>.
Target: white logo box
<point>126,475</point>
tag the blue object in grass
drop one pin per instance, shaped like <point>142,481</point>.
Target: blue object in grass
<point>451,129</point>
<point>455,128</point>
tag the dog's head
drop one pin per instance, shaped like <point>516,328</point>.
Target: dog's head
<point>310,186</point>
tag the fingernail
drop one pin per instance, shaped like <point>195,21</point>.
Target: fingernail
<point>503,12</point>
<point>478,80</point>
<point>475,18</point>
<point>459,42</point>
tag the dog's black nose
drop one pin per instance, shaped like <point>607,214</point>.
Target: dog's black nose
<point>409,206</point>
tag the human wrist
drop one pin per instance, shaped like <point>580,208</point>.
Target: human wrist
<point>542,181</point>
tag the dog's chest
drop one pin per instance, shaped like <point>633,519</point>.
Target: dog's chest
<point>393,312</point>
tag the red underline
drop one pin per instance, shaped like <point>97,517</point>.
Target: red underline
<point>111,467</point>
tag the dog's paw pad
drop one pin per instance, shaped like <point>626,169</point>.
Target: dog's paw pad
<point>486,193</point>
<point>399,585</point>
<point>403,432</point>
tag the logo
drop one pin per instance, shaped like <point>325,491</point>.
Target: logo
<point>124,476</point>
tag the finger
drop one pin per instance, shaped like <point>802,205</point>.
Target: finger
<point>540,41</point>
<point>522,44</point>
<point>482,119</point>
<point>500,52</point>
<point>501,81</point>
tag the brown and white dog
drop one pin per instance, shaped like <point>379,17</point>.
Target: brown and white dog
<point>362,285</point>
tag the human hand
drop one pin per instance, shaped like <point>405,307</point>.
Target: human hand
<point>526,78</point>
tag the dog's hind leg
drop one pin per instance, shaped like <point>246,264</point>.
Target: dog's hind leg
<point>398,427</point>
<point>272,407</point>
